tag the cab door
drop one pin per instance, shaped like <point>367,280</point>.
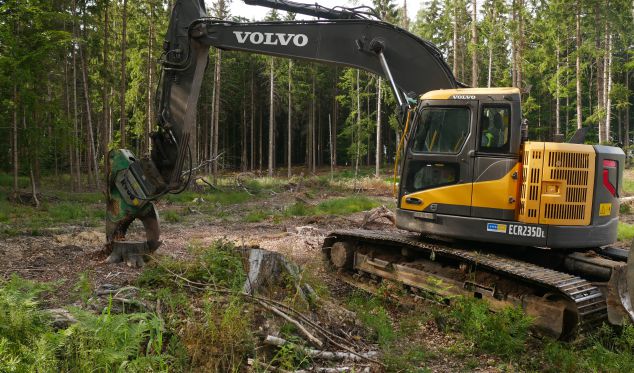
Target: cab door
<point>496,167</point>
<point>438,170</point>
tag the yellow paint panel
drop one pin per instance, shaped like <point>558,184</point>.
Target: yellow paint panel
<point>459,194</point>
<point>557,183</point>
<point>446,94</point>
<point>490,194</point>
<point>497,194</point>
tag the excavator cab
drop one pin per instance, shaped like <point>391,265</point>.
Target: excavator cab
<point>469,173</point>
<point>460,139</point>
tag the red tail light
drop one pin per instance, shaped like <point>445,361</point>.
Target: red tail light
<point>607,165</point>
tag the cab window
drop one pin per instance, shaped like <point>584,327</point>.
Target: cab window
<point>441,130</point>
<point>495,129</point>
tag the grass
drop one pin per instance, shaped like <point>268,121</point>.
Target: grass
<point>400,349</point>
<point>608,350</point>
<point>503,333</point>
<point>171,216</point>
<point>373,314</point>
<point>6,181</point>
<point>222,198</point>
<point>219,264</point>
<point>628,181</point>
<point>625,231</point>
<point>257,216</point>
<point>335,206</point>
<point>21,219</point>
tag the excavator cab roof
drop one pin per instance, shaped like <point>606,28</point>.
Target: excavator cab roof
<point>498,93</point>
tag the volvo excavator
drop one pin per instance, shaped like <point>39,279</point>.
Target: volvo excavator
<point>482,211</point>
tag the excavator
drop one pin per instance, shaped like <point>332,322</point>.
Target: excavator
<point>483,212</point>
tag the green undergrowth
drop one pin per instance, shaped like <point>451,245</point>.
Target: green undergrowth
<point>628,182</point>
<point>103,342</point>
<point>197,330</point>
<point>257,216</point>
<point>335,206</point>
<point>228,197</point>
<point>219,264</point>
<point>504,333</point>
<point>607,350</point>
<point>625,231</point>
<point>214,325</point>
<point>401,351</point>
<point>24,219</point>
<point>6,181</point>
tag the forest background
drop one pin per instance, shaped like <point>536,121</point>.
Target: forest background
<point>79,77</point>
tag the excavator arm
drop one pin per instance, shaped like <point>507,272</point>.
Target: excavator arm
<point>411,65</point>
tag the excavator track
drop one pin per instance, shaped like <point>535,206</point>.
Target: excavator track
<point>586,302</point>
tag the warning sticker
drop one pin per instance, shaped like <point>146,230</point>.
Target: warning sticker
<point>605,209</point>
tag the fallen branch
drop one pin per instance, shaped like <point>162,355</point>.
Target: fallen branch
<point>202,164</point>
<point>330,337</point>
<point>299,326</point>
<point>320,354</point>
<point>334,370</point>
<point>208,183</point>
<point>627,199</point>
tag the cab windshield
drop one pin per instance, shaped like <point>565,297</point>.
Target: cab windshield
<point>441,130</point>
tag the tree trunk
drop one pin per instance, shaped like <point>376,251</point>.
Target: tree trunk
<point>271,115</point>
<point>567,122</point>
<point>513,47</point>
<point>122,123</point>
<point>212,121</point>
<point>455,39</point>
<point>105,121</point>
<point>557,121</point>
<point>92,154</point>
<point>608,101</point>
<point>14,147</point>
<point>600,74</point>
<point>260,139</point>
<point>520,45</point>
<point>290,115</point>
<point>76,134</point>
<point>252,144</point>
<point>150,83</point>
<point>216,122</point>
<point>312,127</point>
<point>358,137</point>
<point>335,117</point>
<point>474,45</point>
<point>578,65</point>
<point>69,139</point>
<point>490,64</point>
<point>627,111</point>
<point>244,159</point>
<point>332,164</point>
<point>377,171</point>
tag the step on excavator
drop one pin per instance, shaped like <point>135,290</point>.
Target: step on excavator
<point>483,212</point>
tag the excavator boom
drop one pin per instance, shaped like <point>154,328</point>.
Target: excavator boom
<point>411,65</point>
